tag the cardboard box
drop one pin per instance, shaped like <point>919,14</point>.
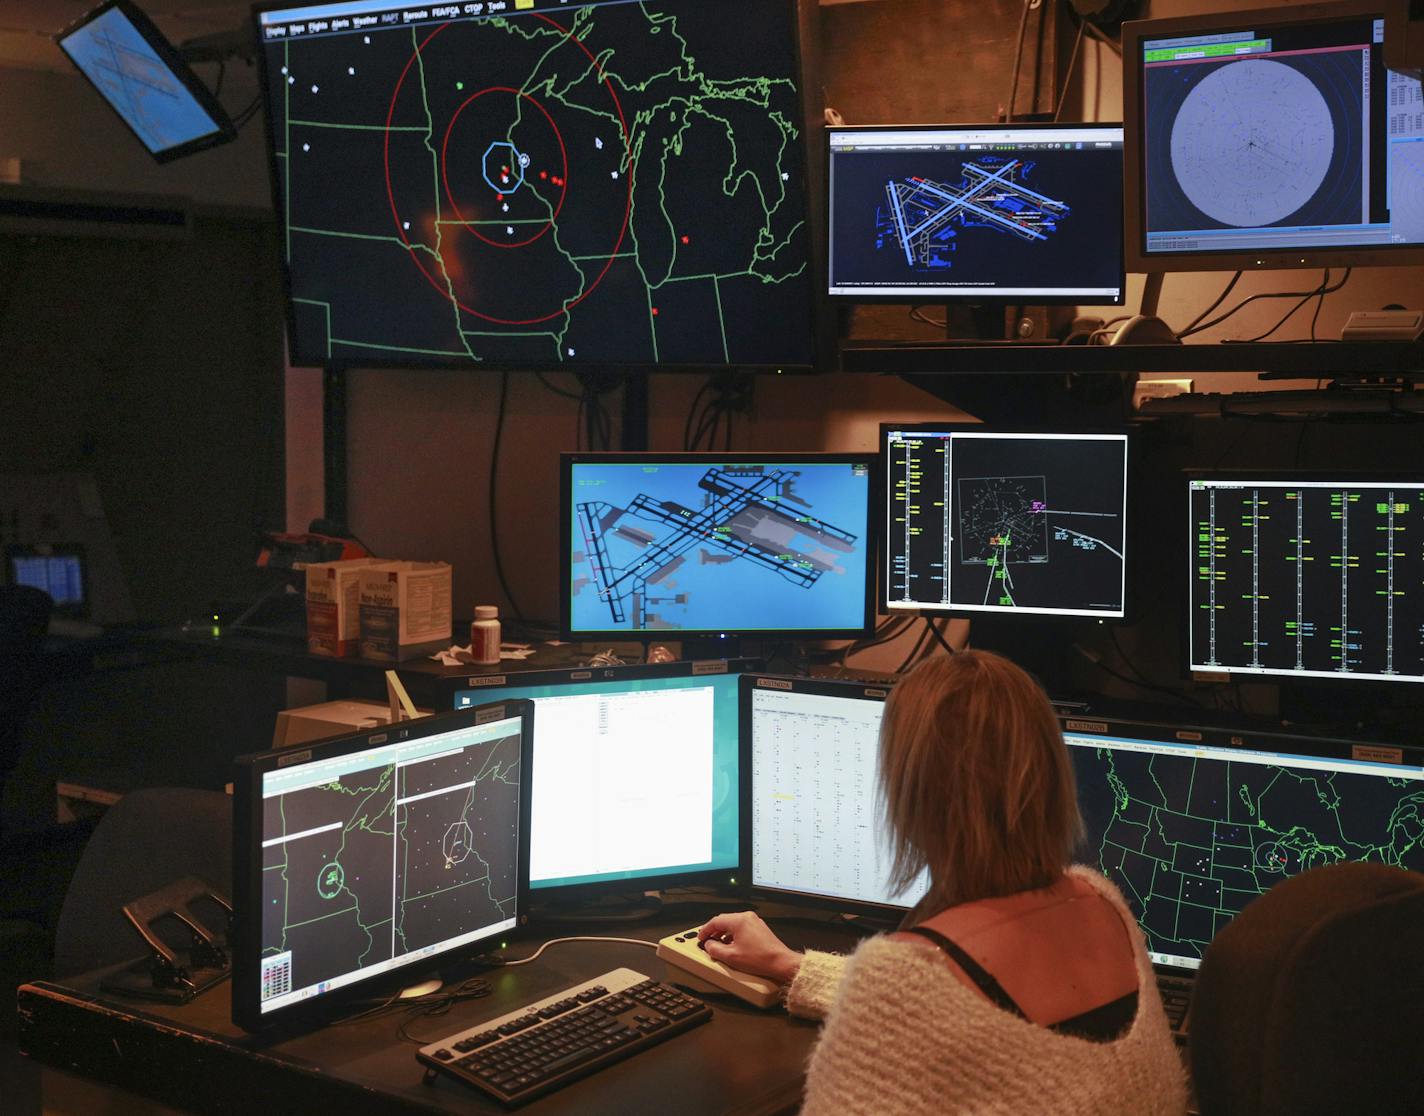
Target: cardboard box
<point>405,609</point>
<point>333,606</point>
<point>329,718</point>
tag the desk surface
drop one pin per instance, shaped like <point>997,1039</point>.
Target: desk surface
<point>191,1056</point>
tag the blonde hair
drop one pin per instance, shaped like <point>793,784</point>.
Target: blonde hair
<point>975,781</point>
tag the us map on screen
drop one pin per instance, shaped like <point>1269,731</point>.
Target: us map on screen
<point>1191,841</point>
<point>550,183</point>
<point>385,861</point>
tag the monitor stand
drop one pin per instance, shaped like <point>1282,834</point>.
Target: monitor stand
<point>1146,328</point>
<point>711,647</point>
<point>424,988</point>
<point>636,906</point>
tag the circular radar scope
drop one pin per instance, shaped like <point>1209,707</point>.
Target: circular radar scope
<point>1252,143</point>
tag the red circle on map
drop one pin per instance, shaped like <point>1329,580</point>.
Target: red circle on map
<point>445,182</point>
<point>437,281</point>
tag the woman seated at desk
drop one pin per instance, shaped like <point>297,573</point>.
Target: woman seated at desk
<point>1019,983</point>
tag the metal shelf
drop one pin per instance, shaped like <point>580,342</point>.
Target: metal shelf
<point>1317,359</point>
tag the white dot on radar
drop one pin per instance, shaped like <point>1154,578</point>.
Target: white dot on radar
<point>598,143</point>
<point>615,174</point>
<point>405,224</point>
<point>291,81</point>
<point>284,69</point>
<point>316,88</point>
<point>785,176</point>
<point>571,353</point>
<point>306,147</point>
<point>505,207</point>
<point>365,38</point>
<point>509,229</point>
<point>351,70</point>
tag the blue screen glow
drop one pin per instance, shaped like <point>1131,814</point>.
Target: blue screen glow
<point>709,547</point>
<point>141,87</point>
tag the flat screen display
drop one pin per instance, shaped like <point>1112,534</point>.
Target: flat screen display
<point>1308,577</point>
<point>540,183</point>
<point>57,570</point>
<point>699,544</point>
<point>358,856</point>
<point>1271,138</point>
<point>976,213</point>
<point>635,778</point>
<point>990,520</point>
<point>142,78</point>
<point>816,832</point>
<point>1193,825</point>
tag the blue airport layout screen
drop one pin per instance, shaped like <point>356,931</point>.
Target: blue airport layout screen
<point>729,548</point>
<point>540,183</point>
<point>141,87</point>
<point>958,212</point>
<point>595,813</point>
<point>1193,834</point>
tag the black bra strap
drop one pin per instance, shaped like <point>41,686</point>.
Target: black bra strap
<point>972,969</point>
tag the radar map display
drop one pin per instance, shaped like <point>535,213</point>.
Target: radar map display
<point>719,548</point>
<point>1000,522</point>
<point>394,854</point>
<point>539,183</point>
<point>1193,834</point>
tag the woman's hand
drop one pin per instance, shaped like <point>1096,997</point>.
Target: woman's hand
<point>742,941</point>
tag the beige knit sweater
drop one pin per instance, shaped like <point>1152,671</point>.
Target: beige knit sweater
<point>905,1035</point>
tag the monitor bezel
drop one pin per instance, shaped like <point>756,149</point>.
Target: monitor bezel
<point>1056,616</point>
<point>1185,533</point>
<point>1139,260</point>
<point>13,551</point>
<point>820,329</point>
<point>821,687</point>
<point>246,936</point>
<point>655,879</point>
<point>949,297</point>
<point>224,131</point>
<point>567,462</point>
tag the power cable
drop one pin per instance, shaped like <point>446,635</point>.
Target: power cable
<point>1018,61</point>
<point>494,495</point>
<point>1068,77</point>
<point>1219,300</point>
<point>1320,292</point>
<point>939,636</point>
<point>1253,298</point>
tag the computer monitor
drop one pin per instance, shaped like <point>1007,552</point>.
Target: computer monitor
<point>813,826</point>
<point>635,775</point>
<point>693,545</point>
<point>363,854</point>
<point>59,569</point>
<point>541,184</point>
<point>1268,139</point>
<point>1193,824</point>
<point>985,519</point>
<point>976,213</point>
<point>1306,576</point>
<point>143,79</point>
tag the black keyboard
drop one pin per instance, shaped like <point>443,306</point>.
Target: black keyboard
<point>1177,1000</point>
<point>563,1037</point>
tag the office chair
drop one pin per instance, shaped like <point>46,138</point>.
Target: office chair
<point>1312,999</point>
<point>146,841</point>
